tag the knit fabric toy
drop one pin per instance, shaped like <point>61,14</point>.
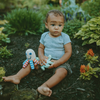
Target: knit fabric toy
<point>49,62</point>
<point>31,58</point>
<point>34,61</point>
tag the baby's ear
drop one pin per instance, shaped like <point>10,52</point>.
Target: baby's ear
<point>46,25</point>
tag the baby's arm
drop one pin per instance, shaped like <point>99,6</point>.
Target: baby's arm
<point>65,57</point>
<point>42,58</point>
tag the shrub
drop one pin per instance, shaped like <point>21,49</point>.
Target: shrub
<point>87,72</point>
<point>7,3</point>
<point>4,53</point>
<point>90,32</point>
<point>45,8</point>
<point>92,7</point>
<point>71,27</point>
<point>89,56</point>
<point>2,73</point>
<point>3,37</point>
<point>31,3</point>
<point>23,21</point>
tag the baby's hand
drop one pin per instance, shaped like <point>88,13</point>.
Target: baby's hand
<point>43,60</point>
<point>55,64</point>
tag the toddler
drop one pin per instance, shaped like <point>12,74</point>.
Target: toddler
<point>54,43</point>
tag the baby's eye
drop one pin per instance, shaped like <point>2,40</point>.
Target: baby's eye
<point>52,24</point>
<point>60,25</point>
<point>30,53</point>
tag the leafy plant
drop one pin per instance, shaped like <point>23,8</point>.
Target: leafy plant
<point>66,8</point>
<point>7,3</point>
<point>4,53</point>
<point>23,21</point>
<point>89,56</point>
<point>87,72</point>
<point>31,3</point>
<point>27,45</point>
<point>92,7</point>
<point>71,27</point>
<point>45,8</point>
<point>2,73</point>
<point>2,22</point>
<point>3,37</point>
<point>90,32</point>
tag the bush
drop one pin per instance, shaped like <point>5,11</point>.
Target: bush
<point>23,21</point>
<point>90,33</point>
<point>3,38</point>
<point>92,7</point>
<point>4,53</point>
<point>7,4</point>
<point>2,73</point>
<point>46,8</point>
<point>71,27</point>
<point>31,3</point>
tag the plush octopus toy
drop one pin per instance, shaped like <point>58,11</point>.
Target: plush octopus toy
<point>34,61</point>
<point>31,58</point>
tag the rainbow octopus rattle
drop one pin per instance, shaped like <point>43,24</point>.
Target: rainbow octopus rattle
<point>31,58</point>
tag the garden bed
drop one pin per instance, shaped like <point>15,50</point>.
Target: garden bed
<point>71,88</point>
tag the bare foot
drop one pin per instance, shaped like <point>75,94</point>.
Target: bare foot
<point>44,90</point>
<point>13,79</point>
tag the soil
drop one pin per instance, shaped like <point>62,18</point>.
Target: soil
<point>71,88</point>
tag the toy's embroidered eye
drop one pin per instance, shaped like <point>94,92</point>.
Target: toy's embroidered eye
<point>30,53</point>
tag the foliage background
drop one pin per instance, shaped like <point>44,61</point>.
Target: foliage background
<point>71,88</point>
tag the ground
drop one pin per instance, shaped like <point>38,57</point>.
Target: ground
<point>71,88</point>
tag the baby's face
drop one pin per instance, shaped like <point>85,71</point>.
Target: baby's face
<point>55,25</point>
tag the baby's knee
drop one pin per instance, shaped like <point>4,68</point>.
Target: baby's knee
<point>62,72</point>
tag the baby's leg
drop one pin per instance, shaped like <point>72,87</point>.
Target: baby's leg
<point>17,77</point>
<point>54,80</point>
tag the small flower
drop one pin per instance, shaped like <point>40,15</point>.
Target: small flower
<point>90,52</point>
<point>87,67</point>
<point>82,68</point>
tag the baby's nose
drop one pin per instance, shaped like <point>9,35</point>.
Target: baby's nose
<point>56,27</point>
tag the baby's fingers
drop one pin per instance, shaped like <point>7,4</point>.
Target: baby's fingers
<point>52,66</point>
<point>42,62</point>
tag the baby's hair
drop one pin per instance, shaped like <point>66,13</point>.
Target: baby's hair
<point>56,13</point>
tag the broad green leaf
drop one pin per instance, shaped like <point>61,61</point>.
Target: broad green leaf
<point>98,64</point>
<point>93,28</point>
<point>96,76</point>
<point>92,25</point>
<point>91,41</point>
<point>96,36</point>
<point>85,42</point>
<point>85,26</point>
<point>85,37</point>
<point>98,43</point>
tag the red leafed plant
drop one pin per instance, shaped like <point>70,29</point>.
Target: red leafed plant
<point>89,56</point>
<point>87,72</point>
<point>84,68</point>
<point>90,52</point>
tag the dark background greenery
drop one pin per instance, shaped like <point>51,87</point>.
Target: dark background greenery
<point>71,88</point>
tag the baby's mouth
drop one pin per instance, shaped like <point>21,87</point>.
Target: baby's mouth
<point>55,31</point>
